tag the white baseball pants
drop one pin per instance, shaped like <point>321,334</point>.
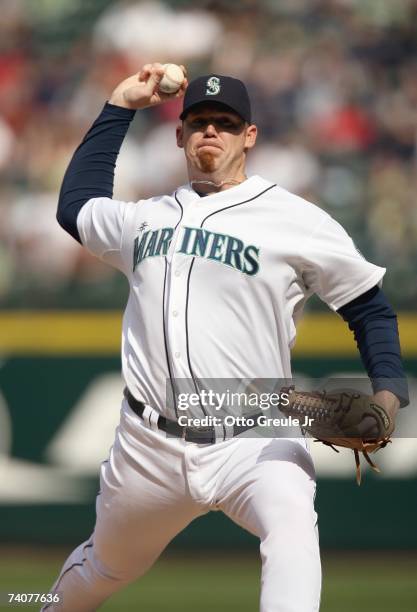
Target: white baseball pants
<point>153,486</point>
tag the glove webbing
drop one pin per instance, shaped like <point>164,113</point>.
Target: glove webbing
<point>357,458</point>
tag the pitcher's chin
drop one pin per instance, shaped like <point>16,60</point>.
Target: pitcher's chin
<point>207,161</point>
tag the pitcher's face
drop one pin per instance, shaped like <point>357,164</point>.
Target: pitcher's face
<point>214,138</point>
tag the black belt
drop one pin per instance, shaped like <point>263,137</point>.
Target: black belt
<point>200,435</point>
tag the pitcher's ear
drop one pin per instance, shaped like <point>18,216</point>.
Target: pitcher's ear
<point>251,134</point>
<point>179,134</point>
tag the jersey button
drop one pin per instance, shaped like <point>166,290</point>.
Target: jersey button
<point>177,355</point>
<point>175,313</point>
<point>177,273</point>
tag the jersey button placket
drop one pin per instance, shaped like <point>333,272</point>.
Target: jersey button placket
<point>179,271</point>
<point>175,309</point>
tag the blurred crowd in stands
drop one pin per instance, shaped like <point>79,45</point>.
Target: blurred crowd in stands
<point>334,87</point>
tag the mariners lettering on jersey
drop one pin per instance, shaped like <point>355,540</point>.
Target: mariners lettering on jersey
<point>151,244</point>
<point>198,242</point>
<point>226,249</point>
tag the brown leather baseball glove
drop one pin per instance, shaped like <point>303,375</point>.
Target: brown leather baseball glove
<point>342,418</point>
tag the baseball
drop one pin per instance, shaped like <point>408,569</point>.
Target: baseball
<point>172,79</point>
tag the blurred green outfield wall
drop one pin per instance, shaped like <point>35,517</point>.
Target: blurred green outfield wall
<point>60,396</point>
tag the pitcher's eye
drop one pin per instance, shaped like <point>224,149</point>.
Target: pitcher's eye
<point>197,123</point>
<point>226,124</point>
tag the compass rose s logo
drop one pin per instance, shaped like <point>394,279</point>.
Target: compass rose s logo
<point>213,86</point>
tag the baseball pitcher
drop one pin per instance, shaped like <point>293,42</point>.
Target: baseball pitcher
<point>219,272</point>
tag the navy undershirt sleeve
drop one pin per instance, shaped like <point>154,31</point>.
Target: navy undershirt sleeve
<point>374,324</point>
<point>90,173</point>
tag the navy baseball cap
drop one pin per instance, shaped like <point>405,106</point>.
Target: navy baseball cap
<point>225,90</point>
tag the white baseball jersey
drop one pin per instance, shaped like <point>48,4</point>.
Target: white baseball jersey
<point>218,282</point>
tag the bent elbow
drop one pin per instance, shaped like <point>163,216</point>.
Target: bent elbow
<point>68,222</point>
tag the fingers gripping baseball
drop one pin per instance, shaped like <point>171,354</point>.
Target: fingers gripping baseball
<point>142,89</point>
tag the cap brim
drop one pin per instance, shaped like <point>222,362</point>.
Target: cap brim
<point>204,100</point>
